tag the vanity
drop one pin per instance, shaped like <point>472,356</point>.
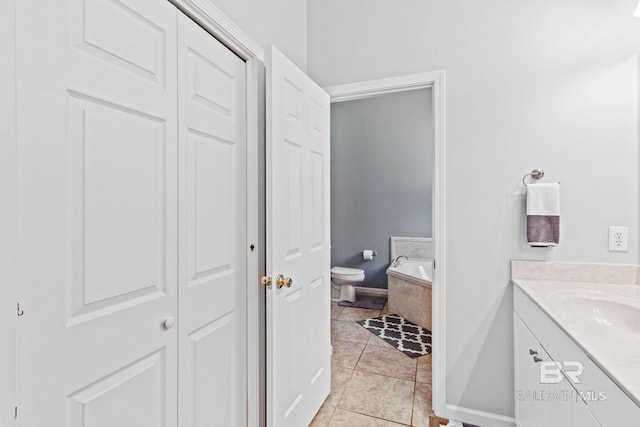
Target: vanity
<point>576,344</point>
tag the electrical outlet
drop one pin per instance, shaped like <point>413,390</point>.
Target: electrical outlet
<point>618,239</point>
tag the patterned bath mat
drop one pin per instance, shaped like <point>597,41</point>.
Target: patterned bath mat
<point>366,301</point>
<point>412,340</point>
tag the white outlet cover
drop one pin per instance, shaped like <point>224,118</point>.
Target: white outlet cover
<point>618,239</point>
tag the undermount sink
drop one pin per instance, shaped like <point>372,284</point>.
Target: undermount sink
<point>621,313</point>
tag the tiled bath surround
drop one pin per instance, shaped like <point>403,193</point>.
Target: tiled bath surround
<point>411,247</point>
<point>411,297</point>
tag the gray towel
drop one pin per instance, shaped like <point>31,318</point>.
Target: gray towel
<point>543,214</point>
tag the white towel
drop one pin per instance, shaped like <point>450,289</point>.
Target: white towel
<point>543,214</point>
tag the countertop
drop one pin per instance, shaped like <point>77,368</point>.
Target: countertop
<point>611,341</point>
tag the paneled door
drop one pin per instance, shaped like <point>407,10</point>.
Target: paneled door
<point>97,129</point>
<point>298,244</point>
<point>132,196</point>
<point>212,273</point>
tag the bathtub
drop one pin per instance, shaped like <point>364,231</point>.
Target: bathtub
<point>409,294</point>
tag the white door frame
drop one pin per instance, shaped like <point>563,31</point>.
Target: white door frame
<point>436,81</point>
<point>222,28</point>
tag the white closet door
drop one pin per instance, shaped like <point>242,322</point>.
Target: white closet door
<point>298,244</point>
<point>213,250</point>
<point>97,126</point>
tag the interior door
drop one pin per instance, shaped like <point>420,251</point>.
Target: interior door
<point>213,250</point>
<point>298,244</point>
<point>97,252</point>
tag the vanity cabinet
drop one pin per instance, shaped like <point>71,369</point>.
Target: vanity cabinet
<point>539,404</point>
<point>592,400</point>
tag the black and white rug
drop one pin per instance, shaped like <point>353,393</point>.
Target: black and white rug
<point>411,339</point>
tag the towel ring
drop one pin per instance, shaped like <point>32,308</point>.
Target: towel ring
<point>535,174</point>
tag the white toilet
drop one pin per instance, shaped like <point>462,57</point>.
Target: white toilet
<point>343,279</point>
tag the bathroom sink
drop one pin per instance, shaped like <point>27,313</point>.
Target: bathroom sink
<point>621,314</point>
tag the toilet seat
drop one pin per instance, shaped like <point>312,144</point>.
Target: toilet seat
<point>346,273</point>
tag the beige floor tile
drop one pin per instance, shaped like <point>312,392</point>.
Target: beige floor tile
<point>378,342</point>
<point>323,416</point>
<point>348,331</point>
<point>352,314</point>
<point>378,396</point>
<point>346,354</point>
<point>387,361</point>
<point>335,309</point>
<point>364,397</point>
<point>424,369</point>
<point>342,418</point>
<point>339,379</point>
<point>422,405</point>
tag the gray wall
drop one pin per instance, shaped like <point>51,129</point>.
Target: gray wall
<point>549,84</point>
<point>381,177</point>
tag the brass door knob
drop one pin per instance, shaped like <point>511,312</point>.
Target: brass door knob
<point>283,281</point>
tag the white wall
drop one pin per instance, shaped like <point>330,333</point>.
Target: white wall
<point>282,23</point>
<point>549,84</point>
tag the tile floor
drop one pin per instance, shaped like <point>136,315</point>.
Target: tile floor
<point>372,383</point>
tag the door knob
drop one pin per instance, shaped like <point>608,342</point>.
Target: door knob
<point>169,322</point>
<point>283,281</point>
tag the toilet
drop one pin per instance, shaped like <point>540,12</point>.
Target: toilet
<point>343,279</point>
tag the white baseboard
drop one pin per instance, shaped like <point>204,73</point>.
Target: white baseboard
<point>363,290</point>
<point>378,292</point>
<point>480,418</point>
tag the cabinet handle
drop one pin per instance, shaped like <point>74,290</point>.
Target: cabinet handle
<point>169,322</point>
<point>532,352</point>
<point>537,359</point>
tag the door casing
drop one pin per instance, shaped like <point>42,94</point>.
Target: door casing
<point>436,81</point>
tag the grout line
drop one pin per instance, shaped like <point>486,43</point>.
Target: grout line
<point>413,402</point>
<point>346,383</point>
<point>372,416</point>
<point>383,375</point>
<point>332,414</point>
<point>359,357</point>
